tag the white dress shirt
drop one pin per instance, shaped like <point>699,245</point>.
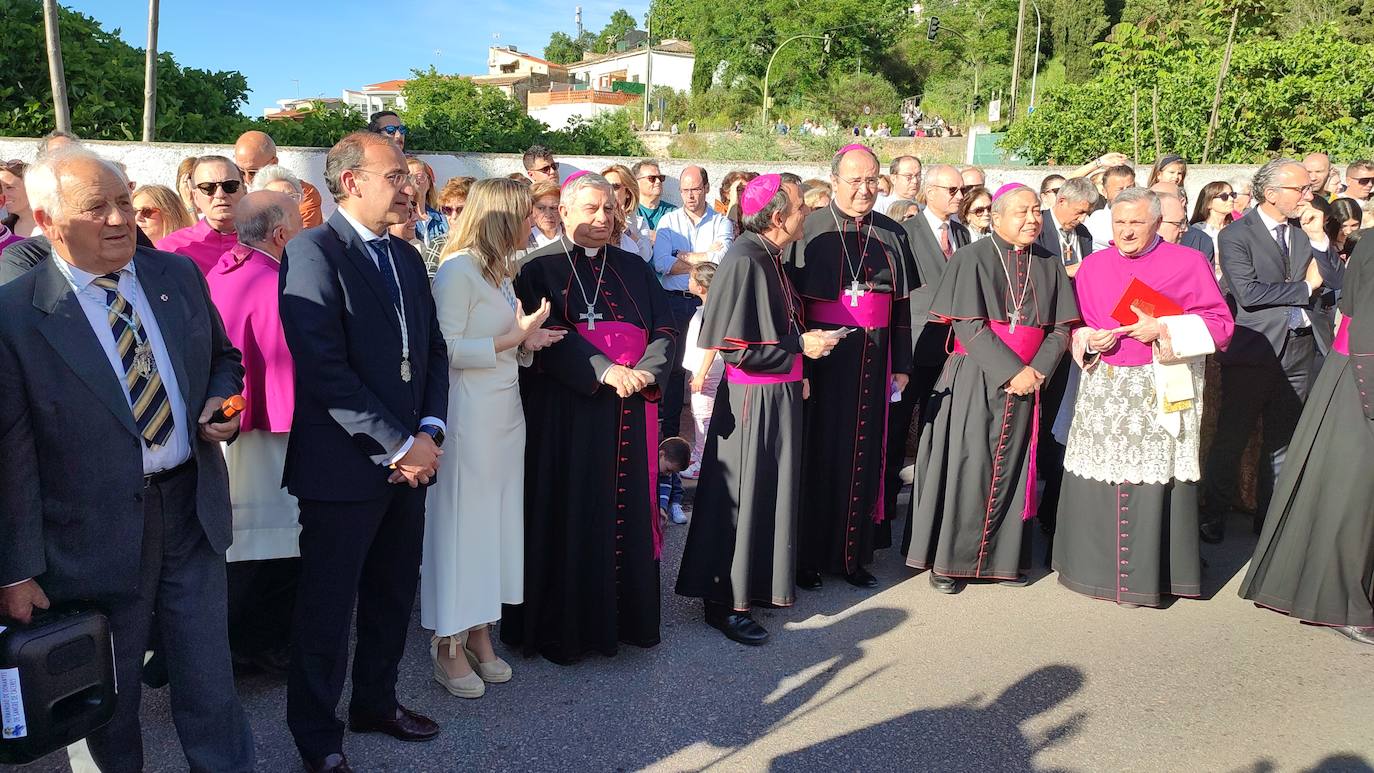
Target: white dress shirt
<point>540,240</point>
<point>1269,225</point>
<point>936,224</point>
<point>178,447</point>
<point>677,233</point>
<point>1099,224</point>
<point>367,235</point>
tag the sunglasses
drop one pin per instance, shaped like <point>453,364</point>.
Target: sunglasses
<point>452,211</point>
<point>980,211</point>
<point>967,189</point>
<point>1362,180</point>
<point>147,212</point>
<point>655,178</point>
<point>950,190</point>
<point>1226,196</point>
<point>402,130</point>
<point>230,187</point>
<point>546,169</point>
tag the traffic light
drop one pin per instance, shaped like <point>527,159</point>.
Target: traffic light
<point>932,28</point>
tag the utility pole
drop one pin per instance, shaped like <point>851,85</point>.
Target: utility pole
<point>150,75</point>
<point>61,115</point>
<point>648,64</point>
<point>1016,54</point>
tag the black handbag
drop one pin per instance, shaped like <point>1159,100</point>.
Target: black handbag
<point>57,682</point>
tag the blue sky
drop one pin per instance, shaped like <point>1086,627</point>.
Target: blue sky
<point>344,44</point>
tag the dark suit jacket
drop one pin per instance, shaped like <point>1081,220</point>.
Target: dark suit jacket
<point>21,256</point>
<point>929,339</point>
<point>71,465</point>
<point>1199,240</point>
<point>1049,237</point>
<point>1261,289</point>
<point>352,407</point>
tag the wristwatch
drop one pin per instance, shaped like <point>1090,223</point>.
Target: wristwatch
<point>435,434</point>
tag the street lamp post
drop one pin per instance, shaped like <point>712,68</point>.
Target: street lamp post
<point>1035,66</point>
<point>769,71</point>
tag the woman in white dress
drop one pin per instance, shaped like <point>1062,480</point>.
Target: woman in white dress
<point>474,518</point>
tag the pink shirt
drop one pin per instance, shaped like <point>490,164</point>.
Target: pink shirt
<point>244,288</point>
<point>1180,273</point>
<point>200,243</point>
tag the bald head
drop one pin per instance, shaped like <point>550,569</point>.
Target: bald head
<point>267,220</point>
<point>1168,190</point>
<point>1318,166</point>
<point>253,151</point>
<point>694,183</point>
<point>1173,219</point>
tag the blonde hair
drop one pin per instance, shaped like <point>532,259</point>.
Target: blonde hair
<point>627,182</point>
<point>544,188</point>
<point>492,227</point>
<point>184,183</point>
<point>174,214</point>
<point>432,191</point>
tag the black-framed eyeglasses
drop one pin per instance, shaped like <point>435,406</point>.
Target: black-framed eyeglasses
<point>230,187</point>
<point>1226,196</point>
<point>400,129</point>
<point>1302,190</point>
<point>1180,224</point>
<point>654,178</point>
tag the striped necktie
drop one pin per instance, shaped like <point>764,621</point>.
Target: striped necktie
<point>152,410</point>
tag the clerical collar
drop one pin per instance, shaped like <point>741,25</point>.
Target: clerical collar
<point>842,215</point>
<point>1005,245</point>
<point>590,252</point>
<point>1153,244</point>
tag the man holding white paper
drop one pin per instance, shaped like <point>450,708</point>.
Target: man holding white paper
<point>1128,512</point>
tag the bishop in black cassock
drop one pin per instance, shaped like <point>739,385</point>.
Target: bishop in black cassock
<point>591,467</point>
<point>854,269</point>
<point>741,549</point>
<point>1010,305</point>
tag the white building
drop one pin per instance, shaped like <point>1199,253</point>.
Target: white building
<point>557,108</point>
<point>507,60</point>
<point>295,108</point>
<point>378,96</point>
<point>673,61</point>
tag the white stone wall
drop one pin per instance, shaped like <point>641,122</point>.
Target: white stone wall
<point>157,163</point>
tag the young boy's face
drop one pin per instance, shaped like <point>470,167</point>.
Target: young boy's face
<point>666,467</point>
<point>694,287</point>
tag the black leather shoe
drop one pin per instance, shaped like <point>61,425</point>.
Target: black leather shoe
<point>737,626</point>
<point>808,579</point>
<point>943,584</point>
<point>861,578</point>
<point>274,662</point>
<point>1211,532</point>
<point>1021,581</point>
<point>334,763</point>
<point>1361,633</point>
<point>405,725</point>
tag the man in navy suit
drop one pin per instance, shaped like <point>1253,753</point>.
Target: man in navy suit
<point>371,398</point>
<point>1274,261</point>
<point>1065,236</point>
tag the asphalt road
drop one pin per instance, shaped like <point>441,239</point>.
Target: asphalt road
<point>899,678</point>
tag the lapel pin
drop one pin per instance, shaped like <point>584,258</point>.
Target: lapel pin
<point>163,296</point>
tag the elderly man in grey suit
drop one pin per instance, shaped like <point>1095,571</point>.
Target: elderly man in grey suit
<point>113,490</point>
<point>1274,261</point>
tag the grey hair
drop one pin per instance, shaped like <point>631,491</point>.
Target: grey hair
<point>1132,195</point>
<point>42,179</point>
<point>761,221</point>
<point>835,162</point>
<point>589,180</point>
<point>256,227</point>
<point>929,174</point>
<point>1267,178</point>
<point>1079,190</point>
<point>275,173</point>
<point>1000,203</point>
<point>348,153</point>
<point>1242,183</point>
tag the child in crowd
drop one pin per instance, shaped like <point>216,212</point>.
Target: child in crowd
<point>673,456</point>
<point>705,366</point>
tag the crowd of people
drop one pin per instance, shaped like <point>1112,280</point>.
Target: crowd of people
<point>475,388</point>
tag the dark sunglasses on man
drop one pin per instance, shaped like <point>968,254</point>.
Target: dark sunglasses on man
<point>230,187</point>
<point>401,129</point>
<point>654,178</point>
<point>1364,181</point>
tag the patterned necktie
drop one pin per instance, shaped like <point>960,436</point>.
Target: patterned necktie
<point>381,248</point>
<point>152,410</point>
<point>945,246</point>
<point>1066,239</point>
<point>1295,318</point>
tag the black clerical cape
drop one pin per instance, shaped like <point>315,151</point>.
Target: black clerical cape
<point>974,480</point>
<point>856,274</point>
<point>741,548</point>
<point>591,507</point>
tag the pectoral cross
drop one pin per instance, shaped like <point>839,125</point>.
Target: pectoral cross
<point>855,292</point>
<point>591,316</point>
<point>1015,320</point>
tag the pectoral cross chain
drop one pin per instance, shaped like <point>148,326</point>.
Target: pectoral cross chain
<point>591,316</point>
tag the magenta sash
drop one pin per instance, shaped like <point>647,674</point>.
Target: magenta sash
<point>1025,342</point>
<point>1342,342</point>
<point>625,344</point>
<point>739,376</point>
<point>874,311</point>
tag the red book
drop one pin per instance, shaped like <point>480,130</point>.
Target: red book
<point>1150,301</point>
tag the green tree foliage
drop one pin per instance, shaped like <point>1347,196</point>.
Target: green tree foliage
<point>607,134</point>
<point>851,94</point>
<point>1075,27</point>
<point>319,128</point>
<point>565,49</point>
<point>1282,96</point>
<point>562,49</point>
<point>621,22</point>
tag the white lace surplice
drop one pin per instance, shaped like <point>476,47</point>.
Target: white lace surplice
<point>1115,438</point>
